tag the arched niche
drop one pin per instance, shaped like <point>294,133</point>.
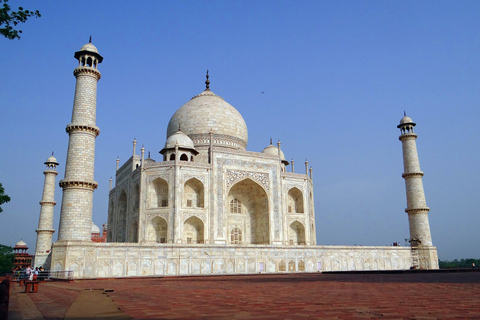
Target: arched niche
<point>193,195</point>
<point>133,232</point>
<point>193,230</point>
<point>296,233</point>
<point>157,230</point>
<point>247,209</point>
<point>295,201</point>
<point>122,217</point>
<point>136,197</point>
<point>110,223</point>
<point>158,193</point>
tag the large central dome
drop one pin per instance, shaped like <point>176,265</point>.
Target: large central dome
<point>208,113</point>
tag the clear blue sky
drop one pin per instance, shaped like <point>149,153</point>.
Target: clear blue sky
<point>336,77</point>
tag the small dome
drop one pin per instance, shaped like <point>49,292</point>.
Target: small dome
<point>406,119</point>
<point>52,160</point>
<point>89,47</point>
<point>95,229</point>
<point>20,244</point>
<point>149,160</point>
<point>208,113</point>
<point>273,151</point>
<point>181,139</point>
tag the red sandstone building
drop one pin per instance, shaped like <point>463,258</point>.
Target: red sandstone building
<point>22,258</point>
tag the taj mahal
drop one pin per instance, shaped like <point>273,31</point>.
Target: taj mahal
<point>209,207</point>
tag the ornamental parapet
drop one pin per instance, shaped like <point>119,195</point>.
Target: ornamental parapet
<point>48,202</point>
<point>82,127</point>
<point>87,71</point>
<point>417,210</point>
<point>89,185</point>
<point>412,174</point>
<point>294,175</point>
<point>407,136</point>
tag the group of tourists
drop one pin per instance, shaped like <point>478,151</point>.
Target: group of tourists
<point>30,273</point>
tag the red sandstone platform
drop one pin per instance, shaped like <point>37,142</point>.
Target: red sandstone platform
<point>430,295</point>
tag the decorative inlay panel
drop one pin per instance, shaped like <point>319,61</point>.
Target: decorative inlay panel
<point>187,177</point>
<point>235,175</point>
<point>200,216</point>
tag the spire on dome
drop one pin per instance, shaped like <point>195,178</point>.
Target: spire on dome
<point>90,40</point>
<point>207,83</point>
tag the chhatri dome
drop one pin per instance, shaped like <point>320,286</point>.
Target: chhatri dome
<point>208,113</point>
<point>20,244</point>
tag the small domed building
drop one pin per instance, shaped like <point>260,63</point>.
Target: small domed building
<point>208,189</point>
<point>22,259</point>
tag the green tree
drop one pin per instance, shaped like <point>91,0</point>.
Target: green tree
<point>463,263</point>
<point>3,197</point>
<point>6,259</point>
<point>8,19</point>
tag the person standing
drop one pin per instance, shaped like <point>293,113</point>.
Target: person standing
<point>28,273</point>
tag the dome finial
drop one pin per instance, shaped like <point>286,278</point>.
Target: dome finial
<point>271,141</point>
<point>90,40</point>
<point>179,129</point>
<point>207,83</point>
<point>404,114</point>
<point>149,154</point>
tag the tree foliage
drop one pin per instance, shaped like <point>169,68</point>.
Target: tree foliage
<point>9,20</point>
<point>6,259</point>
<point>3,197</point>
<point>463,263</point>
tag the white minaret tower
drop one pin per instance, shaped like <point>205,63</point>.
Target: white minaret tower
<point>78,184</point>
<point>424,254</point>
<point>45,222</point>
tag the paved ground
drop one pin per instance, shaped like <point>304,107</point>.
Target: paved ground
<point>288,296</point>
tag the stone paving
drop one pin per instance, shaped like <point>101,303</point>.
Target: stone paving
<point>411,295</point>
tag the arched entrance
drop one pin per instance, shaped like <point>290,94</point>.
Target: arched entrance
<point>247,211</point>
<point>157,230</point>
<point>193,230</point>
<point>296,233</point>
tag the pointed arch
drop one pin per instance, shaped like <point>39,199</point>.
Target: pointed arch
<point>157,230</point>
<point>133,232</point>
<point>136,197</point>
<point>172,157</point>
<point>250,211</point>
<point>122,217</point>
<point>295,201</point>
<point>296,233</point>
<point>183,157</point>
<point>193,230</point>
<point>193,195</point>
<point>158,193</point>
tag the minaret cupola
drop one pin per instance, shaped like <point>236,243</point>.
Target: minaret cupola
<point>88,56</point>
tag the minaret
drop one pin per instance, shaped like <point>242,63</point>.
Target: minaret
<point>424,255</point>
<point>45,222</point>
<point>78,184</point>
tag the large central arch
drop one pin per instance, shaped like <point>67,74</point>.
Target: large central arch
<point>247,211</point>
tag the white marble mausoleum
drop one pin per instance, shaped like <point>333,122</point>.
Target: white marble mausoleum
<point>210,206</point>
